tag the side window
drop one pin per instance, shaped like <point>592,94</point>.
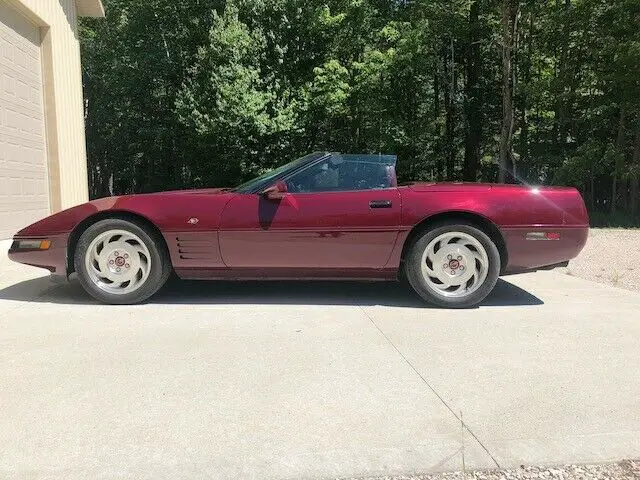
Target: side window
<point>321,177</point>
<point>338,173</point>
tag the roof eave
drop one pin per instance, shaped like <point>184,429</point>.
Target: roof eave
<point>90,8</point>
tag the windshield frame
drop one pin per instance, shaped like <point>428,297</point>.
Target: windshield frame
<point>268,178</point>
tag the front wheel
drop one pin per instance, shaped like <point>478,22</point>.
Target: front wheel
<point>453,265</point>
<point>120,262</point>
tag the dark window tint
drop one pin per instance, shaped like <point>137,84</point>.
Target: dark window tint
<point>343,173</point>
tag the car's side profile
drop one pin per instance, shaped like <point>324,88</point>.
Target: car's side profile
<point>324,216</point>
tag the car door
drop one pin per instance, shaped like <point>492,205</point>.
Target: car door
<point>316,225</point>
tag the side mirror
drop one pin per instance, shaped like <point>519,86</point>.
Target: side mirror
<point>276,192</point>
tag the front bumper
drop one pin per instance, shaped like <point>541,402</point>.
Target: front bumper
<point>54,258</point>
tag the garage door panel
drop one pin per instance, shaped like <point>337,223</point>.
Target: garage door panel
<point>20,85</point>
<point>24,196</point>
<point>22,162</point>
<point>20,147</point>
<point>23,124</point>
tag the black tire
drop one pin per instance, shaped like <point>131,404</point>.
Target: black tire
<point>417,281</point>
<point>158,273</point>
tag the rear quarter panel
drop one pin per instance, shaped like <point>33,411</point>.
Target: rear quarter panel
<point>515,210</point>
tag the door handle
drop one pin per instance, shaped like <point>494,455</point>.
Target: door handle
<point>380,204</point>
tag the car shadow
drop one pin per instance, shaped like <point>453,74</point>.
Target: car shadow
<point>177,292</point>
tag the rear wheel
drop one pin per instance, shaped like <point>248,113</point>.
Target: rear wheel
<point>120,262</point>
<point>453,265</point>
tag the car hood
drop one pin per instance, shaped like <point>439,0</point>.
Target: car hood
<point>148,205</point>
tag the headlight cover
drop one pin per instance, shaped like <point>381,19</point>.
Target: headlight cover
<point>38,244</point>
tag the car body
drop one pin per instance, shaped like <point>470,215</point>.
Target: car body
<point>277,227</point>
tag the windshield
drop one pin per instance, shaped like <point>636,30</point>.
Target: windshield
<point>269,176</point>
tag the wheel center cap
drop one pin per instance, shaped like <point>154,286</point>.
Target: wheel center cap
<point>120,261</point>
<point>454,264</point>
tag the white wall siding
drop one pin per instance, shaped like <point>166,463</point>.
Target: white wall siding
<point>64,105</point>
<point>24,195</point>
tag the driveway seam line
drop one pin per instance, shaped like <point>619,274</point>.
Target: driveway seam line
<point>424,380</point>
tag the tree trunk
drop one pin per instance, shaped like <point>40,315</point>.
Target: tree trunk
<point>436,115</point>
<point>449,105</point>
<point>635,177</point>
<point>561,113</point>
<point>509,26</point>
<point>473,97</point>
<point>617,167</point>
<point>527,38</point>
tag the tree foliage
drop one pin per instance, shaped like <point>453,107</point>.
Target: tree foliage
<point>210,92</point>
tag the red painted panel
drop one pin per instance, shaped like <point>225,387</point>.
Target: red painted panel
<point>528,254</point>
<point>198,250</point>
<point>53,259</point>
<point>515,210</point>
<point>191,210</point>
<point>330,232</point>
<point>310,230</point>
<point>504,205</point>
<point>169,211</point>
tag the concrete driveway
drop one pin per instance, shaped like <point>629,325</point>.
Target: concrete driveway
<point>284,380</point>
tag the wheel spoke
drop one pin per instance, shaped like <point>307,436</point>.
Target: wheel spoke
<point>445,282</point>
<point>427,271</point>
<point>97,271</point>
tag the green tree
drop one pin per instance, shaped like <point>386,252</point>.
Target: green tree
<point>210,92</point>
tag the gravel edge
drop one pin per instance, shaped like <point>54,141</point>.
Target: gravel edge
<point>623,470</point>
<point>611,256</point>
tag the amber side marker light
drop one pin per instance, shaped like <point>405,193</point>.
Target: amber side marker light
<point>31,245</point>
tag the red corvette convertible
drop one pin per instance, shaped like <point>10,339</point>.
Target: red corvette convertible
<point>323,216</point>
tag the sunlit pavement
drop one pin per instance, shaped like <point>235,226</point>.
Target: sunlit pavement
<point>286,380</point>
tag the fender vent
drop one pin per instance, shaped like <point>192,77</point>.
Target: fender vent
<point>196,247</point>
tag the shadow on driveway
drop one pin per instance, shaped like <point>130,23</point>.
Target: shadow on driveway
<point>176,291</point>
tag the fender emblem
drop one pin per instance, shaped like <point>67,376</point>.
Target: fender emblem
<point>192,221</point>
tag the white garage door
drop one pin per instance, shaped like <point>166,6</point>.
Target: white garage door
<point>24,196</point>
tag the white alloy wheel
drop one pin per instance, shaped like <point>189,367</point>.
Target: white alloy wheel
<point>117,262</point>
<point>454,264</point>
